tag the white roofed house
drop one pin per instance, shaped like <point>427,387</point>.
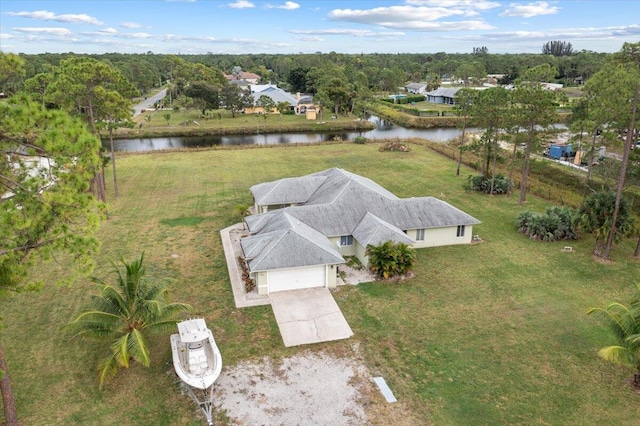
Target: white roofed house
<point>416,88</point>
<point>305,225</point>
<point>443,95</point>
<point>276,94</point>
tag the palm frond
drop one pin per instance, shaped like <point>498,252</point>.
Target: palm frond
<point>95,324</point>
<point>137,348</point>
<point>619,319</point>
<point>107,369</point>
<point>120,350</point>
<point>619,355</point>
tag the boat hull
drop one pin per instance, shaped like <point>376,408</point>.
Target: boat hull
<point>197,362</point>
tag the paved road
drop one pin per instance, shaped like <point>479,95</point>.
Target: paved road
<point>148,103</point>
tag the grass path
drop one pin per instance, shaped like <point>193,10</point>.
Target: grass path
<point>492,333</point>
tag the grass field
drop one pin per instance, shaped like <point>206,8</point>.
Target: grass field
<point>193,122</point>
<point>491,333</point>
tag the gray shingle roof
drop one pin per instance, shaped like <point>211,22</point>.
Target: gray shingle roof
<point>447,92</point>
<point>375,231</point>
<point>286,191</point>
<point>335,202</point>
<point>289,244</point>
<point>278,95</point>
<point>416,86</point>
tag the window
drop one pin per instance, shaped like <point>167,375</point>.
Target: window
<point>460,232</point>
<point>346,240</point>
<point>420,235</point>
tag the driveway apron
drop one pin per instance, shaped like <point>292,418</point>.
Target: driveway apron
<point>308,316</point>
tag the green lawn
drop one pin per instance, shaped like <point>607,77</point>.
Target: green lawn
<point>491,333</point>
<point>193,122</point>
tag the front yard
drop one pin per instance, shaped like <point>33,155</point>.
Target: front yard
<point>490,333</point>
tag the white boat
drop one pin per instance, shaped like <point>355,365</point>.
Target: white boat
<point>197,362</point>
<point>196,358</point>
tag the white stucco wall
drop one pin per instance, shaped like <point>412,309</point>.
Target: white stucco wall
<point>360,254</point>
<point>344,250</point>
<point>260,279</point>
<point>434,237</point>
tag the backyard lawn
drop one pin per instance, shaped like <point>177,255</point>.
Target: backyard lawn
<point>490,333</point>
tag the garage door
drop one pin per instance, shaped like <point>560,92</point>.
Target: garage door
<point>293,279</point>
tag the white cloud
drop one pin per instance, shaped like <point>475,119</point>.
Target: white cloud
<point>44,15</point>
<point>345,31</point>
<point>130,25</point>
<point>463,4</point>
<point>385,15</point>
<point>569,34</point>
<point>51,31</point>
<point>289,5</point>
<point>530,10</point>
<point>241,4</point>
<point>310,38</point>
<point>409,17</point>
<point>139,35</point>
<point>4,36</point>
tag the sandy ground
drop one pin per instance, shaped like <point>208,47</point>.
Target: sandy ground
<point>305,389</point>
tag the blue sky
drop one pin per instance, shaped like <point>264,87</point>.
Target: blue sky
<point>277,26</point>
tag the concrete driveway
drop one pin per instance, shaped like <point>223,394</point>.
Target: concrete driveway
<point>308,316</point>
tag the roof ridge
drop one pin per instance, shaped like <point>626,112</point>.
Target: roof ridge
<point>320,247</point>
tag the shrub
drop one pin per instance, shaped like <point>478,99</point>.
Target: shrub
<point>556,224</point>
<point>360,140</point>
<point>390,259</point>
<point>501,184</point>
<point>249,283</point>
<point>394,146</point>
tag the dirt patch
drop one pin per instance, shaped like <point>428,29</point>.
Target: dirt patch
<point>305,389</point>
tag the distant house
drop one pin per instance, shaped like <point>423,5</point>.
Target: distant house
<point>298,104</point>
<point>305,225</point>
<point>306,106</point>
<point>552,86</point>
<point>276,94</point>
<point>416,88</point>
<point>443,95</point>
<point>247,76</point>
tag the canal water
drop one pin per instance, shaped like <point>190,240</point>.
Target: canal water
<point>384,130</point>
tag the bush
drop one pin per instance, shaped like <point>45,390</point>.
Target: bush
<point>249,283</point>
<point>394,146</point>
<point>390,259</point>
<point>556,224</point>
<point>360,140</point>
<point>501,184</point>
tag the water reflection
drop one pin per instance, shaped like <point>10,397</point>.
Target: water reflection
<point>384,130</point>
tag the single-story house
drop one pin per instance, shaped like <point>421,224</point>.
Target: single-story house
<point>247,76</point>
<point>297,103</point>
<point>304,226</point>
<point>276,94</point>
<point>443,95</point>
<point>416,88</point>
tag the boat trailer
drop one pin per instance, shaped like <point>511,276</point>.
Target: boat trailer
<point>203,399</point>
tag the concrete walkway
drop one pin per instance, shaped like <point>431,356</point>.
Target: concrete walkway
<point>308,315</point>
<point>231,243</point>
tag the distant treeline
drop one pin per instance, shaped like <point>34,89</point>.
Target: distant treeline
<point>378,71</point>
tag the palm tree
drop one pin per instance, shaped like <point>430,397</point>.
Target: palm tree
<point>390,259</point>
<point>624,324</point>
<point>124,314</point>
<point>595,216</point>
<point>243,211</point>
